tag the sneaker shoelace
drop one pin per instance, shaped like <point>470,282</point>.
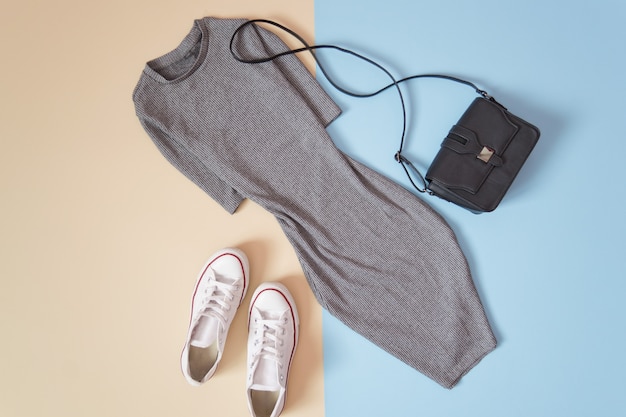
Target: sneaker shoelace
<point>218,299</point>
<point>268,339</point>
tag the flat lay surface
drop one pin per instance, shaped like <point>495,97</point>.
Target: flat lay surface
<point>548,263</point>
<point>102,240</point>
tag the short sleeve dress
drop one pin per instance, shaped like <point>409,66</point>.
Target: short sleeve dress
<point>375,256</point>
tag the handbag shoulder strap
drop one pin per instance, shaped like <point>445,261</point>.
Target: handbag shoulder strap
<point>407,165</point>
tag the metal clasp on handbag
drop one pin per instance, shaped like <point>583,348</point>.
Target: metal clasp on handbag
<point>485,154</point>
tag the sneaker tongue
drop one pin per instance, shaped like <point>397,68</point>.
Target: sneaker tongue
<point>260,387</point>
<point>224,278</point>
<point>271,314</point>
<point>266,375</point>
<point>205,332</point>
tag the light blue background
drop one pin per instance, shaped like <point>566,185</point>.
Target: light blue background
<point>549,262</point>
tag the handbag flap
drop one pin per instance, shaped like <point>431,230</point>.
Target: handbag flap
<point>491,124</point>
<point>464,141</point>
<point>473,147</point>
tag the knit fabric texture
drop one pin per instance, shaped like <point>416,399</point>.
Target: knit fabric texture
<point>375,256</point>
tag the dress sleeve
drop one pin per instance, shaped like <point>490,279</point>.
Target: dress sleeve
<point>263,43</point>
<point>193,168</point>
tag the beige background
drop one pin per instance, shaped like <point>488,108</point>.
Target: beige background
<point>102,239</point>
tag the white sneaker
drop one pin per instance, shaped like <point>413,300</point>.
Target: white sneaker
<point>272,340</point>
<point>221,286</point>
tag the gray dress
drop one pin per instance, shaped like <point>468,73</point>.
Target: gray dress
<point>376,257</point>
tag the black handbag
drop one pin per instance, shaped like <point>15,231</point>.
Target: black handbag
<point>480,157</point>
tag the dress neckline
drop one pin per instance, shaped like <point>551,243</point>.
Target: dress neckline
<point>199,34</point>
